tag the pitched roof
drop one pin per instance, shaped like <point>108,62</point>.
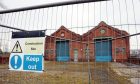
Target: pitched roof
<point>103,24</point>
<point>65,29</point>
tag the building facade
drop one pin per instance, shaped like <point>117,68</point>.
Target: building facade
<point>62,44</point>
<point>103,43</point>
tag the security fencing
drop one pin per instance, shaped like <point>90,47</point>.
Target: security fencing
<point>86,42</point>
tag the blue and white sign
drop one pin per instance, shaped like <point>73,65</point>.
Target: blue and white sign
<point>29,62</point>
<point>33,62</point>
<point>27,49</point>
<point>16,61</point>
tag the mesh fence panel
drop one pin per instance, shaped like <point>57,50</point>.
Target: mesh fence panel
<point>86,43</point>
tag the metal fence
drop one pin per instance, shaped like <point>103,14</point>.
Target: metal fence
<point>97,35</point>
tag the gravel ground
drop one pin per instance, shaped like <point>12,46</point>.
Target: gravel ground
<point>55,73</point>
<point>103,74</point>
<point>64,73</point>
<point>131,71</point>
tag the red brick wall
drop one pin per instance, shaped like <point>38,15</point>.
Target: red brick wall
<point>111,33</point>
<point>74,43</point>
<point>50,48</point>
<point>87,40</point>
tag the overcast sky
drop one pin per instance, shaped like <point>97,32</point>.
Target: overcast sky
<point>113,12</point>
<point>25,3</point>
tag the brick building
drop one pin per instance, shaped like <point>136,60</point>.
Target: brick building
<point>62,44</point>
<point>99,44</point>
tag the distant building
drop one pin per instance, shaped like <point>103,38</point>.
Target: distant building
<point>98,44</point>
<point>135,53</point>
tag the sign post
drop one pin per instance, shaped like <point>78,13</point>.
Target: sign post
<point>27,51</point>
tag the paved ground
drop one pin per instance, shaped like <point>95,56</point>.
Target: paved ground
<point>103,74</point>
<point>131,71</point>
<point>64,73</point>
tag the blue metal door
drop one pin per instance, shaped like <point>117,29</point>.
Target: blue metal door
<point>103,51</point>
<point>62,50</point>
